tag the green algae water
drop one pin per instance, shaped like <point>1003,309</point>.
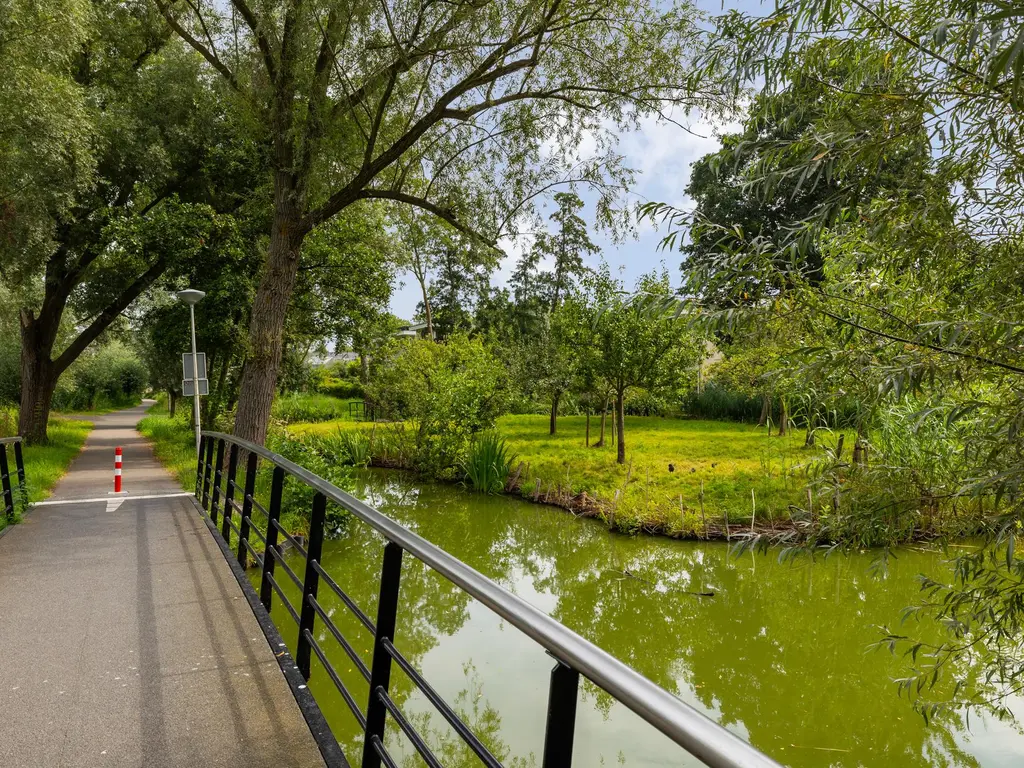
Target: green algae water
<point>781,654</point>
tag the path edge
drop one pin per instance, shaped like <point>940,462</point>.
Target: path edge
<point>322,734</point>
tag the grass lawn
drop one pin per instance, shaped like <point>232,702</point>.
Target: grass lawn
<point>724,459</point>
<point>46,464</point>
<point>174,443</point>
<point>668,464</point>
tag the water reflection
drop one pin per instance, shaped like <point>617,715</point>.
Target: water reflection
<point>779,653</point>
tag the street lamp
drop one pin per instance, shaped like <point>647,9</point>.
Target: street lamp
<point>191,297</point>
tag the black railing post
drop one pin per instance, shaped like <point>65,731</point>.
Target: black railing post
<point>380,668</point>
<point>273,515</point>
<point>207,467</point>
<point>5,478</point>
<point>216,480</point>
<point>561,722</point>
<point>199,465</point>
<point>247,492</point>
<point>19,463</point>
<point>311,583</point>
<point>229,493</point>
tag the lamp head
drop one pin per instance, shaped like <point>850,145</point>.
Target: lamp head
<point>190,295</point>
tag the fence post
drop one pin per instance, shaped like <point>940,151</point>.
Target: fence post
<point>19,463</point>
<point>229,493</point>
<point>273,515</point>
<point>199,464</point>
<point>5,478</point>
<point>311,583</point>
<point>247,492</point>
<point>380,669</point>
<point>207,468</point>
<point>561,721</point>
<point>216,480</point>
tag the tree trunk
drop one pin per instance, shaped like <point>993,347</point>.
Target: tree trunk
<point>554,412</point>
<point>259,374</point>
<point>172,402</point>
<point>604,419</point>
<point>364,368</point>
<point>809,440</point>
<point>427,311</point>
<point>766,411</point>
<point>620,427</point>
<point>588,428</point>
<point>38,377</point>
<point>783,418</point>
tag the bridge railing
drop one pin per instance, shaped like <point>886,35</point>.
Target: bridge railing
<point>7,499</point>
<point>219,492</point>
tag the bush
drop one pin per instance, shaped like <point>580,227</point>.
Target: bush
<point>342,388</point>
<point>109,376</point>
<point>640,402</point>
<point>720,404</point>
<point>450,392</point>
<point>297,407</point>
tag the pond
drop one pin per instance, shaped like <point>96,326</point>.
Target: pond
<point>781,654</point>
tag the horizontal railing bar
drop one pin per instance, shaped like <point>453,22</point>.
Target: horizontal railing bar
<point>235,505</point>
<point>258,506</point>
<point>441,705</point>
<point>253,552</point>
<point>382,753</point>
<point>291,539</point>
<point>345,598</point>
<point>280,593</point>
<point>280,559</point>
<point>254,529</point>
<point>329,668</point>
<point>235,485</point>
<point>231,522</point>
<point>698,734</point>
<point>11,440</point>
<point>346,646</point>
<point>408,730</point>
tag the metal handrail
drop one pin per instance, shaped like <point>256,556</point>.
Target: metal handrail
<point>7,505</point>
<point>703,738</point>
<point>11,440</point>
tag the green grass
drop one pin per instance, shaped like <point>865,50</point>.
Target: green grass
<point>174,444</point>
<point>668,464</point>
<point>723,460</point>
<point>46,464</point>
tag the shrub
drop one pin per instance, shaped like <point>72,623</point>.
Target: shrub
<point>721,404</point>
<point>450,392</point>
<point>342,388</point>
<point>488,463</point>
<point>641,402</point>
<point>309,407</point>
<point>109,376</point>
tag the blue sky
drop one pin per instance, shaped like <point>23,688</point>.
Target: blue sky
<point>661,154</point>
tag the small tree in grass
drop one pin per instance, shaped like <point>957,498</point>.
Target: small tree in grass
<point>637,349</point>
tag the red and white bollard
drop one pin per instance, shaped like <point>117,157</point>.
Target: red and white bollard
<point>117,469</point>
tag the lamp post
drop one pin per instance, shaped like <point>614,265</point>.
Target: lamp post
<point>192,297</point>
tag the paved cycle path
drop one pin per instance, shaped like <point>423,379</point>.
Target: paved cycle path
<point>125,639</point>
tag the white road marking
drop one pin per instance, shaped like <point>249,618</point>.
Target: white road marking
<point>109,501</point>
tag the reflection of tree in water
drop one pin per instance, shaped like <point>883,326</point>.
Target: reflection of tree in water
<point>483,720</point>
<point>780,650</point>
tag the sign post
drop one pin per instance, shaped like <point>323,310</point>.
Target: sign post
<point>192,297</point>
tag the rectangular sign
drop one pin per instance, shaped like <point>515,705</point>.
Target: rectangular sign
<point>188,390</point>
<point>186,365</point>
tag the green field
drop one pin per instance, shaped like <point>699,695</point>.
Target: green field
<point>669,464</point>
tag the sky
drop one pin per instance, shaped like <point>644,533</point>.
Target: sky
<point>661,154</point>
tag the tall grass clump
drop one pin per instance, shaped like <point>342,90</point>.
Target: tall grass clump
<point>488,463</point>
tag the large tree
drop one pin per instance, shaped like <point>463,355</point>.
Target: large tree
<point>452,107</point>
<point>924,288</point>
<point>89,227</point>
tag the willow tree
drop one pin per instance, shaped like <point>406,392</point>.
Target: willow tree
<point>466,109</point>
<point>922,293</point>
